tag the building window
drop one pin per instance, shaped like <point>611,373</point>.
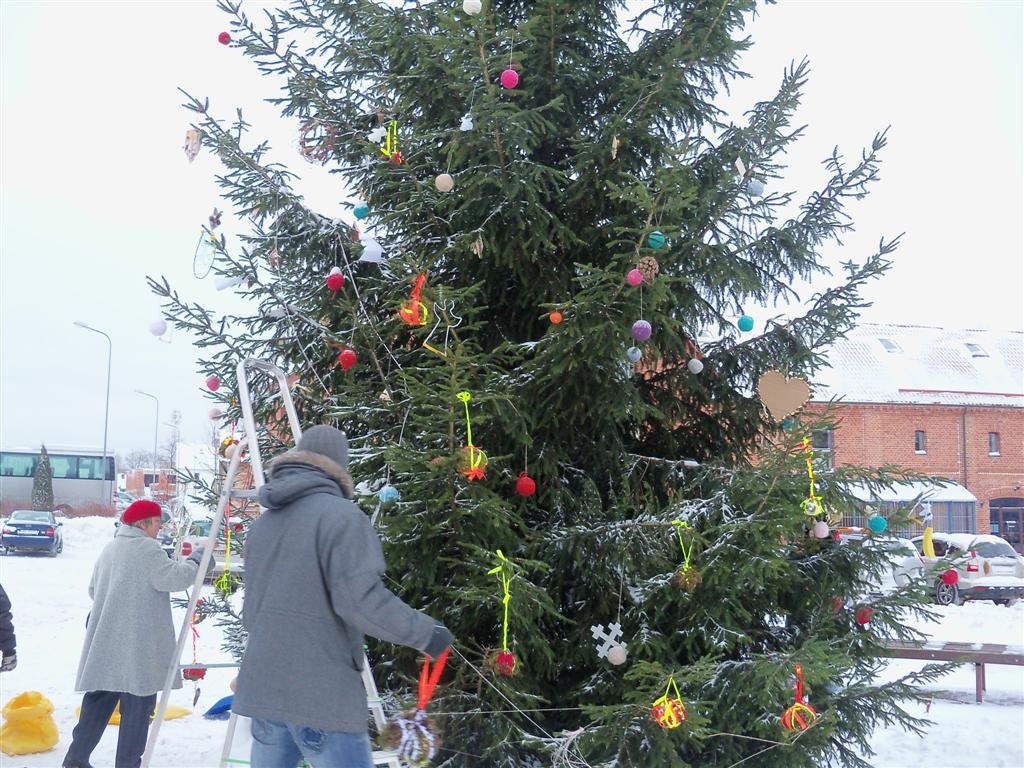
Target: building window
<point>821,440</point>
<point>976,350</point>
<point>919,443</point>
<point>993,443</point>
<point>889,345</point>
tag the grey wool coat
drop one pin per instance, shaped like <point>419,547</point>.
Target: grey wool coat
<point>313,568</point>
<point>129,638</point>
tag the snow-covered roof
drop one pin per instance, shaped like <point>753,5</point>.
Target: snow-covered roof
<point>883,363</point>
<point>933,491</point>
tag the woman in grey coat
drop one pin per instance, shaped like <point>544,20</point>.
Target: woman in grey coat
<point>129,637</point>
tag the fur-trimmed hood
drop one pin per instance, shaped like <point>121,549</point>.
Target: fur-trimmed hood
<point>291,479</point>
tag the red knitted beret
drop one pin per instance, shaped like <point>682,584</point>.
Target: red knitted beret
<point>140,510</point>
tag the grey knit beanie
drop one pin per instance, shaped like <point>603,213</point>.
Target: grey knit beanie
<point>327,441</point>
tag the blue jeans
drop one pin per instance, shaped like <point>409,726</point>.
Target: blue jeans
<point>282,745</point>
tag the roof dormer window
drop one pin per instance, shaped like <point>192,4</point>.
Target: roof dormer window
<point>889,345</point>
<point>976,350</point>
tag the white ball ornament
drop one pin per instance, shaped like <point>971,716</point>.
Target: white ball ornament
<point>158,327</point>
<point>444,182</point>
<point>466,124</point>
<point>472,7</point>
<point>372,252</point>
<point>755,187</point>
<point>634,354</point>
<point>820,530</point>
<point>694,366</point>
<point>617,655</point>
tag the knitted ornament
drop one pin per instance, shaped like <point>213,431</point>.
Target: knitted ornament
<point>686,578</point>
<point>502,662</point>
<point>412,734</point>
<point>799,715</point>
<point>668,711</point>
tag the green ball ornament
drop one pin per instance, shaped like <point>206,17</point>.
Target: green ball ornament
<point>877,524</point>
<point>746,323</point>
<point>655,240</point>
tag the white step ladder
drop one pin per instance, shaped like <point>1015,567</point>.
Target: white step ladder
<point>249,442</point>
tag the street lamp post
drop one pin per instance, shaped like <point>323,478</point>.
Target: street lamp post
<point>156,427</point>
<point>106,411</point>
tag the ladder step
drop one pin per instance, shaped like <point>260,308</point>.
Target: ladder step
<point>243,493</point>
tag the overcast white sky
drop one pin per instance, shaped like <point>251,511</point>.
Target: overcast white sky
<point>95,192</point>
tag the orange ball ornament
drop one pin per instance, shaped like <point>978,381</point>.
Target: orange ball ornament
<point>555,317</point>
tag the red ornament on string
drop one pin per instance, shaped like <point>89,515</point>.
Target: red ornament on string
<point>335,280</point>
<point>346,359</point>
<point>799,716</point>
<point>504,663</point>
<point>213,383</point>
<point>864,614</point>
<point>525,485</point>
<point>223,38</point>
<point>950,578</point>
<point>193,673</point>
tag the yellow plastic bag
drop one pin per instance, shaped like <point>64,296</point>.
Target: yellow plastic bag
<point>172,712</point>
<point>28,725</point>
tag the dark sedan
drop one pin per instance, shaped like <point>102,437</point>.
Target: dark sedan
<point>29,530</point>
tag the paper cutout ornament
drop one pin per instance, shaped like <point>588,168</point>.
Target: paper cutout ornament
<point>781,395</point>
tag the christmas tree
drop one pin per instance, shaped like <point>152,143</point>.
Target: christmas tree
<point>42,482</point>
<point>536,329</point>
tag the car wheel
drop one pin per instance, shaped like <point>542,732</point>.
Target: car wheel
<point>947,594</point>
<point>1008,603</point>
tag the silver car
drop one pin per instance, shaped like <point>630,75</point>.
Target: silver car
<point>987,568</point>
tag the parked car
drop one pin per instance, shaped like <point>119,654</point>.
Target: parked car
<point>987,568</point>
<point>905,562</point>
<point>196,534</point>
<point>29,530</point>
<point>122,501</point>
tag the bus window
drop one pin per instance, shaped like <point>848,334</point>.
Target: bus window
<point>64,466</point>
<point>90,468</point>
<point>17,465</point>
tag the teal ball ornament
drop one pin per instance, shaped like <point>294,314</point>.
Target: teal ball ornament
<point>655,240</point>
<point>388,494</point>
<point>746,323</point>
<point>877,524</point>
<point>361,211</point>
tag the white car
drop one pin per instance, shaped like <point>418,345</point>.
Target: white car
<point>905,563</point>
<point>987,568</point>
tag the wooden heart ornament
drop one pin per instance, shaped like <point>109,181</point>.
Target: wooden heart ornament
<point>781,395</point>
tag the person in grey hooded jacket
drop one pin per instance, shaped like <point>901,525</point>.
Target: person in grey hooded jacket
<point>313,588</point>
<point>129,636</point>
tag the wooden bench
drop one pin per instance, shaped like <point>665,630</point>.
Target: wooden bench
<point>978,654</point>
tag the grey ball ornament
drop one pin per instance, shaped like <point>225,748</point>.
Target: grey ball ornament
<point>634,354</point>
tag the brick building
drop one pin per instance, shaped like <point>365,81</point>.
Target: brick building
<point>946,403</point>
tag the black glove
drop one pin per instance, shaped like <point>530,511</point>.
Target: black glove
<point>10,662</point>
<point>196,556</point>
<point>440,640</point>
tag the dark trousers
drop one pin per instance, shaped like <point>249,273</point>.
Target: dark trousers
<point>97,707</point>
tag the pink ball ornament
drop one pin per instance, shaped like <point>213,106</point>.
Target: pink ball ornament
<point>634,277</point>
<point>509,79</point>
<point>820,530</point>
<point>213,383</point>
<point>641,330</point>
<point>158,327</point>
<point>214,414</point>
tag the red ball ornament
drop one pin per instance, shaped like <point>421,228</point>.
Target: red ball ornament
<point>950,578</point>
<point>213,383</point>
<point>223,38</point>
<point>505,663</point>
<point>193,673</point>
<point>555,317</point>
<point>863,615</point>
<point>668,712</point>
<point>525,485</point>
<point>509,78</point>
<point>346,359</point>
<point>335,281</point>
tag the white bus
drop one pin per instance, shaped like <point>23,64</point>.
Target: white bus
<point>81,484</point>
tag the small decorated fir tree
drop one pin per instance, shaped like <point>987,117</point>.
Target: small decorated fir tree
<point>42,482</point>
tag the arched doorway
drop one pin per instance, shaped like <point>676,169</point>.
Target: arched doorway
<point>1005,516</point>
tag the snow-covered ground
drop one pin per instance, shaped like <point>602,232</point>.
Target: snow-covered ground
<point>50,604</point>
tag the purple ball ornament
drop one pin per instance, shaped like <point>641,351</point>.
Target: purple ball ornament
<point>158,327</point>
<point>509,79</point>
<point>634,277</point>
<point>641,330</point>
